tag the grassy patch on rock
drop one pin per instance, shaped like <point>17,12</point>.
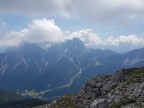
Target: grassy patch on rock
<point>66,102</point>
<point>135,75</point>
<point>123,103</point>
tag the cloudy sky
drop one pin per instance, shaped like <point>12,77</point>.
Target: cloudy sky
<point>112,24</point>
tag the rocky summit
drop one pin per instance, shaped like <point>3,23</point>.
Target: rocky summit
<point>123,89</point>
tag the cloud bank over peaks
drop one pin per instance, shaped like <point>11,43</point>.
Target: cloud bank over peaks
<point>39,30</point>
<point>116,43</point>
<point>130,39</point>
<point>124,43</point>
<point>45,30</point>
<point>88,37</point>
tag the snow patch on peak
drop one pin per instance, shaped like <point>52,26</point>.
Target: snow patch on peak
<point>46,64</point>
<point>66,50</point>
<point>24,61</point>
<point>37,65</point>
<point>17,64</point>
<point>126,61</point>
<point>71,60</point>
<point>97,63</point>
<point>3,68</point>
<point>60,57</point>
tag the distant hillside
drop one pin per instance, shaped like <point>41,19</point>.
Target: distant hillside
<point>6,96</point>
<point>10,99</point>
<point>123,89</point>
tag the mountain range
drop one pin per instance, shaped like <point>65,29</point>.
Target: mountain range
<point>60,69</point>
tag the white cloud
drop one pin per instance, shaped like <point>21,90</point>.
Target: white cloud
<point>11,39</point>
<point>43,30</point>
<point>130,39</point>
<point>87,36</point>
<point>124,43</point>
<point>40,30</point>
<point>117,43</point>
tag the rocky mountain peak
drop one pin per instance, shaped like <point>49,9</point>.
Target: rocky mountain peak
<point>25,47</point>
<point>74,44</point>
<point>30,47</point>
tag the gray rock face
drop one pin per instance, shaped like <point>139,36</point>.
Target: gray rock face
<point>99,103</point>
<point>124,89</point>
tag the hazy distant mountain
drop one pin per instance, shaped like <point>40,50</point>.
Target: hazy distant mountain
<point>134,58</point>
<point>60,69</point>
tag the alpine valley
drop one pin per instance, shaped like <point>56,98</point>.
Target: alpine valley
<point>63,68</point>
